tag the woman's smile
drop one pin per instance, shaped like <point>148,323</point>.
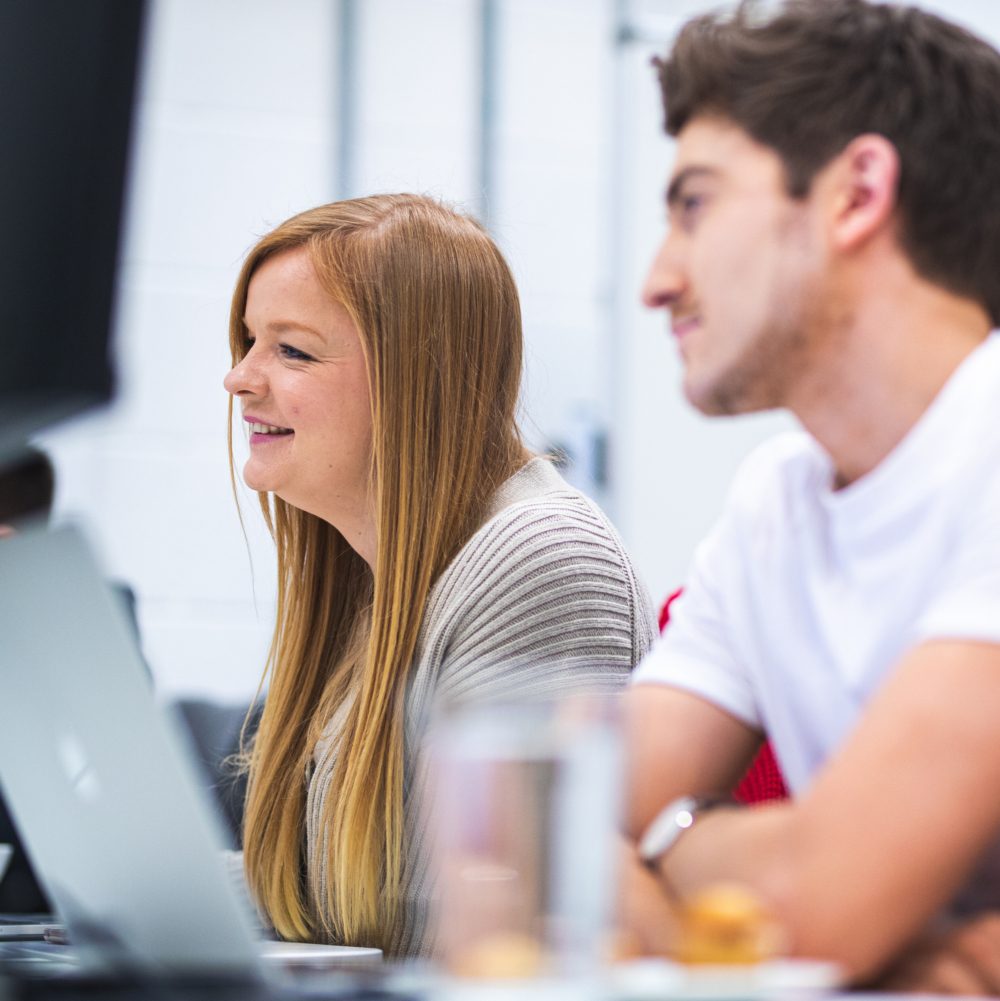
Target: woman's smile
<point>263,433</point>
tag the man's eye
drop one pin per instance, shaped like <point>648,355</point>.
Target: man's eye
<point>689,208</point>
<point>293,354</point>
<point>685,209</point>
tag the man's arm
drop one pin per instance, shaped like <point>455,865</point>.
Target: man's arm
<point>679,743</point>
<point>889,829</point>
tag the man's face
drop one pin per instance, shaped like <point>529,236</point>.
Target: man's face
<point>740,271</point>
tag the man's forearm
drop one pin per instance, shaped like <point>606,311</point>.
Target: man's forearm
<point>885,833</point>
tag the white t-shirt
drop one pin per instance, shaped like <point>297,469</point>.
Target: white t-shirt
<point>803,598</point>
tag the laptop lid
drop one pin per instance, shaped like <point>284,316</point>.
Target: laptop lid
<point>110,809</point>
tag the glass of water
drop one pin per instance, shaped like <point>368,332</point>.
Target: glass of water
<point>523,814</point>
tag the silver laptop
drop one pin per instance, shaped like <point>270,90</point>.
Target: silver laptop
<point>109,807</point>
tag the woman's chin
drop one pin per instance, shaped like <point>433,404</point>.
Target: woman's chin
<point>255,480</point>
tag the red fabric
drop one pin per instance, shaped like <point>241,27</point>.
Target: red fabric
<point>763,780</point>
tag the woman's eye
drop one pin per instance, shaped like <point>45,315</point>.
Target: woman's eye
<point>293,354</point>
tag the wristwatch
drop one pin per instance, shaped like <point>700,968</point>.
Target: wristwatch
<point>671,822</point>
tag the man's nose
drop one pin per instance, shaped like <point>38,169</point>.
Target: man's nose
<point>665,281</point>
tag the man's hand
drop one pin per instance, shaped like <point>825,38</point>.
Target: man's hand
<point>965,960</point>
<point>645,914</point>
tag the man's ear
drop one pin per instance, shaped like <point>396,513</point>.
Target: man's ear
<point>865,179</point>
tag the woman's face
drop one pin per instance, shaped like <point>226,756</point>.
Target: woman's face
<point>303,388</point>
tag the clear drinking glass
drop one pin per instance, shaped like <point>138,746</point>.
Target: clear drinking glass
<point>524,809</point>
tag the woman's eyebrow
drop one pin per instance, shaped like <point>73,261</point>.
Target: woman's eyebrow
<point>286,326</point>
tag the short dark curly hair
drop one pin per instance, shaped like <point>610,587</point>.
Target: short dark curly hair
<point>809,77</point>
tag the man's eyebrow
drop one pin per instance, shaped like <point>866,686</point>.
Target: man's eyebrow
<point>674,191</point>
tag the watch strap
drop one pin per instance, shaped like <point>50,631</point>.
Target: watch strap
<point>671,822</point>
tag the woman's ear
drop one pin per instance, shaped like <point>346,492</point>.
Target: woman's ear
<point>865,180</point>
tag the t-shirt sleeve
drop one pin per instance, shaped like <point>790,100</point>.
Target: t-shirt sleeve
<point>695,652</point>
<point>965,604</point>
<point>704,648</point>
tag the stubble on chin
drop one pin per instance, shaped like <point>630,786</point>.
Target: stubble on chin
<point>778,361</point>
<point>759,379</point>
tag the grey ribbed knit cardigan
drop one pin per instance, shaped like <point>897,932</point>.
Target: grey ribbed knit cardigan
<point>542,601</point>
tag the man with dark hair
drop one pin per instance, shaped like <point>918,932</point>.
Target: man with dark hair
<point>834,249</point>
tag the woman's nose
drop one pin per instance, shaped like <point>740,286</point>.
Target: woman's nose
<point>244,378</point>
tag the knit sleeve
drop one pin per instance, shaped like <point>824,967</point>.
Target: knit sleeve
<point>543,601</point>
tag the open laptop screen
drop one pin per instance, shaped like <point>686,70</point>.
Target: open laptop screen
<point>110,810</point>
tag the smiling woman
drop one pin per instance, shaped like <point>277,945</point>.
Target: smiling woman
<point>425,557</point>
<point>303,386</point>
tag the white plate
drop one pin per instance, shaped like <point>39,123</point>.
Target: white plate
<point>662,980</point>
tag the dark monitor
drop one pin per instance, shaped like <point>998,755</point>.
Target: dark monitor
<point>67,85</point>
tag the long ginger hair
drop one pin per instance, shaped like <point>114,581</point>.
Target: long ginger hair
<point>438,314</point>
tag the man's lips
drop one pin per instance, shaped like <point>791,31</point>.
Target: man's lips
<point>681,325</point>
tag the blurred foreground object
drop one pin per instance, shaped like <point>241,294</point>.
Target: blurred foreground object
<point>67,80</point>
<point>27,486</point>
<point>525,804</point>
<point>727,923</point>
